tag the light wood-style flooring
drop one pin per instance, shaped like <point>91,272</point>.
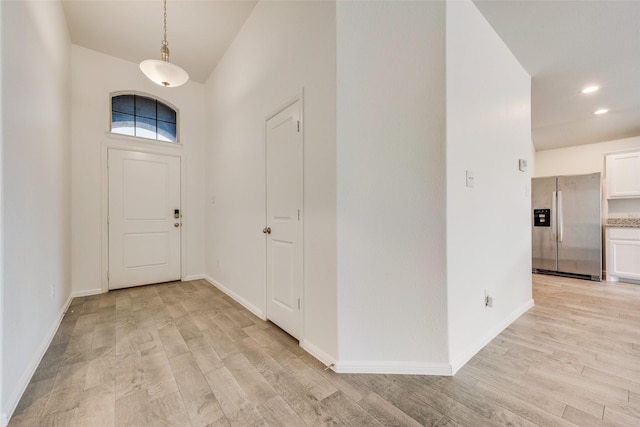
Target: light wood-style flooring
<point>184,354</point>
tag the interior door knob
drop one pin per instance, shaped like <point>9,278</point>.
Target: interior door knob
<point>266,230</point>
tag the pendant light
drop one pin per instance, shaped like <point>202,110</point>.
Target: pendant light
<point>163,72</point>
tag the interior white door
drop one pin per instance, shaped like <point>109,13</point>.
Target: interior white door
<point>284,231</point>
<point>144,233</point>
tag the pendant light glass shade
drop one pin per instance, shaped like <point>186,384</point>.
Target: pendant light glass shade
<point>163,72</point>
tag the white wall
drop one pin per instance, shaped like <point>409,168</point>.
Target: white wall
<point>581,159</point>
<point>585,159</point>
<point>282,48</point>
<point>95,76</point>
<point>391,187</point>
<point>3,415</point>
<point>488,226</point>
<point>36,136</point>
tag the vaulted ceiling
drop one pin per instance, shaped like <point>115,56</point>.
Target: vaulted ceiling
<point>563,45</point>
<point>198,31</point>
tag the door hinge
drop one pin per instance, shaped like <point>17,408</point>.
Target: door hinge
<point>298,125</point>
<point>107,219</point>
<point>108,275</point>
<point>298,214</point>
<point>298,303</point>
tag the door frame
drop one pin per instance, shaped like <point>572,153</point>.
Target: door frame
<point>299,97</point>
<point>132,144</point>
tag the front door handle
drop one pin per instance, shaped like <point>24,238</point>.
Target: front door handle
<point>266,230</point>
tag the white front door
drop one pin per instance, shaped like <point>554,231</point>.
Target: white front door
<point>284,220</point>
<point>144,233</point>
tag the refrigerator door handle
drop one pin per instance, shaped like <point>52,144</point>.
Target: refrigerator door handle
<point>560,217</point>
<point>554,235</point>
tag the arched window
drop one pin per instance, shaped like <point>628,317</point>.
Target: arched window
<point>144,117</point>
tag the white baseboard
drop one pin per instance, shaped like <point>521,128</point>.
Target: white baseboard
<point>237,298</point>
<point>316,352</point>
<point>618,279</point>
<point>319,354</point>
<point>419,368</point>
<point>194,277</point>
<point>86,293</point>
<point>490,335</point>
<point>14,399</point>
<point>403,368</point>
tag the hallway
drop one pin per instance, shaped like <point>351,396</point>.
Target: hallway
<point>185,354</point>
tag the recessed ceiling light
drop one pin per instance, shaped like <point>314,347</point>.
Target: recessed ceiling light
<point>601,111</point>
<point>590,89</point>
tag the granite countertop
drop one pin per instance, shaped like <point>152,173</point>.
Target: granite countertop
<point>623,222</point>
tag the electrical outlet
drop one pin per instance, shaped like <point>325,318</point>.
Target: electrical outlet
<point>488,300</point>
<point>470,179</point>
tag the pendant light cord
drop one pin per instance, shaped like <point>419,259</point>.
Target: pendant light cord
<point>164,50</point>
<point>164,27</point>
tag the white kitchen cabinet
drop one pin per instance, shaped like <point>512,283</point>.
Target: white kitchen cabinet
<point>623,254</point>
<point>623,175</point>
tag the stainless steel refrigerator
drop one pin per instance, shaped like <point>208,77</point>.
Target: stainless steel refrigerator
<point>566,225</point>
